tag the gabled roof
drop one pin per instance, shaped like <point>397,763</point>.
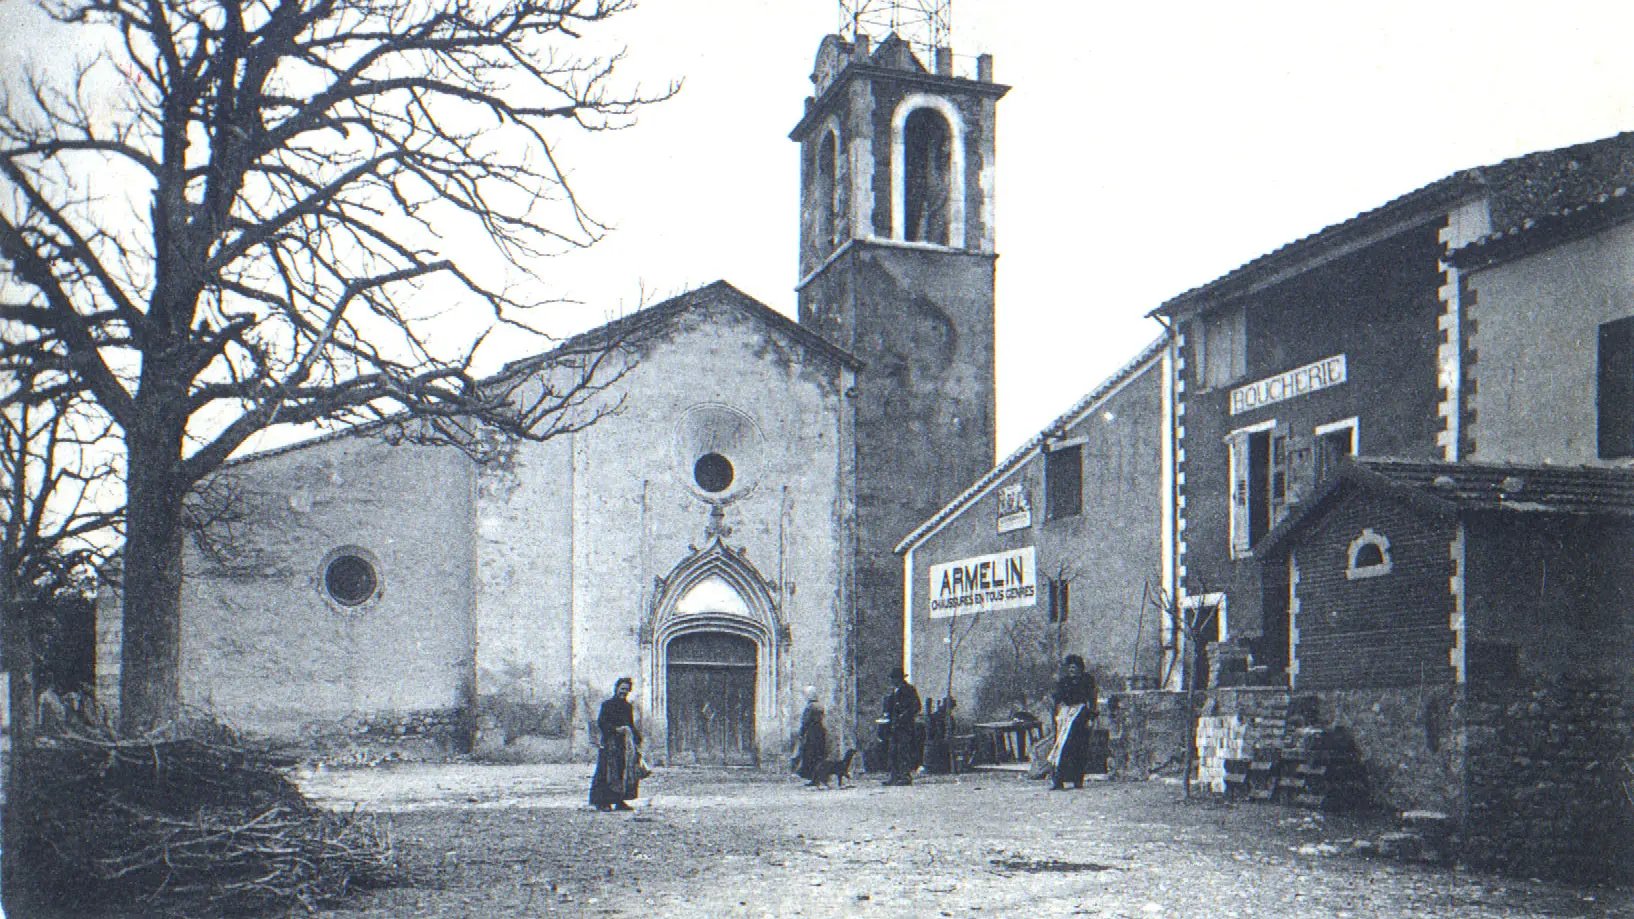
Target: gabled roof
<point>1520,189</point>
<point>633,328</point>
<point>1453,488</point>
<point>1033,445</point>
<point>654,319</point>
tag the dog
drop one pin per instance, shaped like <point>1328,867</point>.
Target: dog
<point>835,769</point>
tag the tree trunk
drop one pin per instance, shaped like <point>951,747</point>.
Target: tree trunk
<point>16,878</point>
<point>150,652</point>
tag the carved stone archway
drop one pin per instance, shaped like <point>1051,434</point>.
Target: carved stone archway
<point>716,589</point>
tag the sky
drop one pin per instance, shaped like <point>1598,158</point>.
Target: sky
<point>1146,148</point>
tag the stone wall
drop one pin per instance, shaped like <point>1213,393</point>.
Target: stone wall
<point>1147,731</point>
<point>1546,795</point>
<point>267,648</point>
<point>1411,741</point>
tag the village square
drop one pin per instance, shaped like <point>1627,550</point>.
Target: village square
<point>1320,602</point>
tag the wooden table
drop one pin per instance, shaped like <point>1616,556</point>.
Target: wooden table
<point>1010,741</point>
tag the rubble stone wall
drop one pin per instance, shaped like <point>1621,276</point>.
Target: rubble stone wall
<point>1411,742</point>
<point>1547,780</point>
<point>1147,731</point>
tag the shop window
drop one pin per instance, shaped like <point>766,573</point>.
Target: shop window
<point>350,577</point>
<point>1220,348</point>
<point>1614,398</point>
<point>1064,482</point>
<point>1060,599</point>
<point>1369,556</point>
<point>928,152</point>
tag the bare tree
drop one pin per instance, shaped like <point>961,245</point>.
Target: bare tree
<point>1191,626</point>
<point>231,219</point>
<point>56,472</point>
<point>55,527</point>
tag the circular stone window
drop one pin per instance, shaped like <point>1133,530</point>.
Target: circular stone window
<point>718,452</point>
<point>713,473</point>
<point>350,579</point>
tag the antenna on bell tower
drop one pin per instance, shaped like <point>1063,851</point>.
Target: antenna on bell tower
<point>925,23</point>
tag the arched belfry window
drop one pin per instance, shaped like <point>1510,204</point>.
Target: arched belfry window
<point>927,172</point>
<point>826,191</point>
<point>928,154</point>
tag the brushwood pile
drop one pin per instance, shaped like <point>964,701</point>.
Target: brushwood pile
<point>191,821</point>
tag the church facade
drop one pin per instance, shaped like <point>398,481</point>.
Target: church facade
<point>723,534</point>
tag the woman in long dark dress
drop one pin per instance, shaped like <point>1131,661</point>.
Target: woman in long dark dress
<point>813,737</point>
<point>618,768</point>
<point>1075,713</point>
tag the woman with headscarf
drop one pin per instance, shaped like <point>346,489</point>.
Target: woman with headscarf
<point>1075,713</point>
<point>813,737</point>
<point>618,767</point>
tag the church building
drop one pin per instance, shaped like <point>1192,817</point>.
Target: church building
<point>723,534</point>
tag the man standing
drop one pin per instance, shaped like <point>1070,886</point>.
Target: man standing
<point>902,717</point>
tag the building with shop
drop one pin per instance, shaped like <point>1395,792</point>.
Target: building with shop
<point>1058,549</point>
<point>1355,341</point>
<point>1402,453</point>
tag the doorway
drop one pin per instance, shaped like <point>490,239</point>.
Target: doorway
<point>710,687</point>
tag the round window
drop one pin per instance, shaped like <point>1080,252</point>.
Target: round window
<point>713,473</point>
<point>351,580</point>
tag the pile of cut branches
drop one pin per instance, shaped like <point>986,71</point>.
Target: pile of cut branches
<point>192,821</point>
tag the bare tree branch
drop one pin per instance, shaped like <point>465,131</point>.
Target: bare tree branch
<point>221,223</point>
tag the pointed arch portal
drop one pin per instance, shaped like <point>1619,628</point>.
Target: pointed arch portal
<point>712,649</point>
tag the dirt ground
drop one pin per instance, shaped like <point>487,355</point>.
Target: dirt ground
<point>520,841</point>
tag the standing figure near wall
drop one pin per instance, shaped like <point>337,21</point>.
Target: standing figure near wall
<point>902,722</point>
<point>1075,714</point>
<point>813,738</point>
<point>618,768</point>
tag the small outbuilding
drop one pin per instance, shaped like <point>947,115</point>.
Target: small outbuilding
<point>1472,626</point>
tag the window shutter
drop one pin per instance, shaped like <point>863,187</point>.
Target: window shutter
<point>1616,389</point>
<point>1241,537</point>
<point>1063,482</point>
<point>1301,468</point>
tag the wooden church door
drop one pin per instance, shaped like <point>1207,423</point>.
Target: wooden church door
<point>710,685</point>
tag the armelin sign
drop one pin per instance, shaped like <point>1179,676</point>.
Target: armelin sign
<point>1004,580</point>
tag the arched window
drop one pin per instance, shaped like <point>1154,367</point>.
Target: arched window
<point>927,171</point>
<point>1369,556</point>
<point>826,192</point>
<point>927,162</point>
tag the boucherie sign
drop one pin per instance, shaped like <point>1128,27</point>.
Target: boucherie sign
<point>1005,580</point>
<point>1329,371</point>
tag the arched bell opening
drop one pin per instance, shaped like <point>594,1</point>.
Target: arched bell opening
<point>927,172</point>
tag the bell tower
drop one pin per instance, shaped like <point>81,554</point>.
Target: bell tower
<point>896,265</point>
